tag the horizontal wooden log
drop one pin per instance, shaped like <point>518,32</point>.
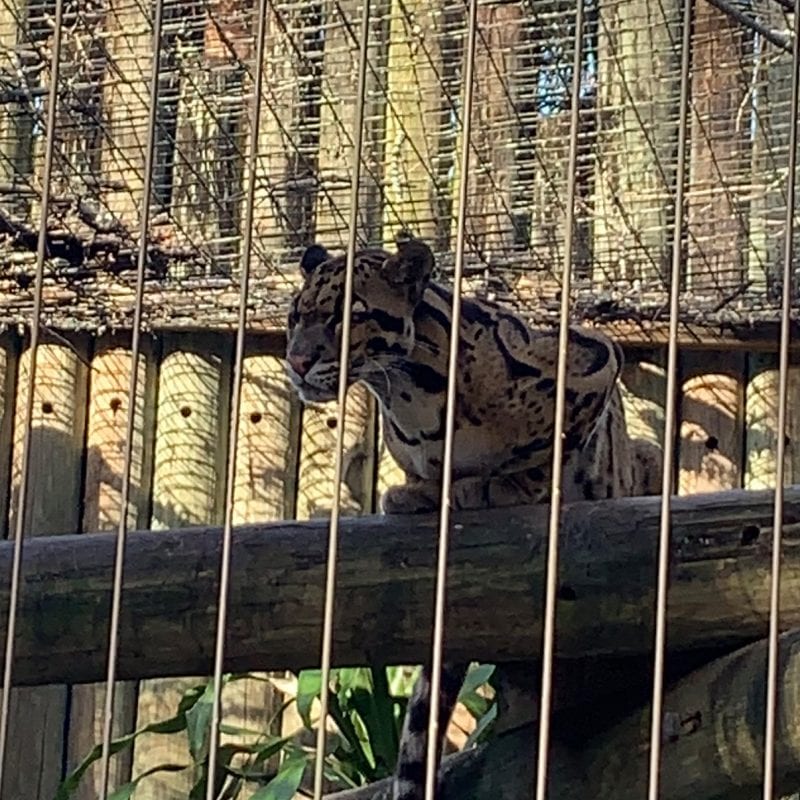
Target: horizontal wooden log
<point>712,743</point>
<point>719,594</point>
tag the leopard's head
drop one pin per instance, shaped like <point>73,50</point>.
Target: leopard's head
<point>386,290</point>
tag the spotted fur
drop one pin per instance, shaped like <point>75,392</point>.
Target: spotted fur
<point>505,401</point>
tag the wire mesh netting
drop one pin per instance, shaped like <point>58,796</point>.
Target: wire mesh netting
<point>625,179</point>
<point>574,134</point>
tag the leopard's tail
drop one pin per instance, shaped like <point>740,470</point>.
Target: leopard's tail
<point>409,779</point>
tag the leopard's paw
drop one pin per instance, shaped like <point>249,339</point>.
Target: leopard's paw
<point>407,500</point>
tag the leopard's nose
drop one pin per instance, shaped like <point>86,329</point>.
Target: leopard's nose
<point>300,363</point>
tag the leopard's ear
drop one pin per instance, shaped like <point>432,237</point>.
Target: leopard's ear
<point>410,269</point>
<point>314,255</point>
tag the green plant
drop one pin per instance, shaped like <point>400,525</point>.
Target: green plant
<point>365,706</point>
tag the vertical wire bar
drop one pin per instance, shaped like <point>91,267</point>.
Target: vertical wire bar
<point>122,530</point>
<point>431,767</point>
<point>659,645</point>
<point>238,369</point>
<point>22,497</point>
<point>783,380</point>
<point>344,357</point>
<point>551,581</point>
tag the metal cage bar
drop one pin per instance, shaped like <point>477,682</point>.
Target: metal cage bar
<point>35,325</point>
<point>780,465</point>
<point>122,530</point>
<point>670,403</point>
<point>551,580</point>
<point>236,401</point>
<point>344,358</point>
<point>431,767</point>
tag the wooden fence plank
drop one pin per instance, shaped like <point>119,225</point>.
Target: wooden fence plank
<point>266,469</point>
<point>316,457</point>
<point>719,153</point>
<point>643,386</point>
<point>188,489</point>
<point>770,151</point>
<point>638,102</point>
<point>412,120</point>
<point>337,125</point>
<point>37,716</point>
<point>126,92</point>
<point>711,422</point>
<point>761,422</point>
<point>495,127</point>
<point>105,453</point>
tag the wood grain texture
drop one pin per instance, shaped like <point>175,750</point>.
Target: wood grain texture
<point>719,595</point>
<point>105,454</point>
<point>711,422</point>
<point>38,716</point>
<point>638,92</point>
<point>317,445</point>
<point>188,489</point>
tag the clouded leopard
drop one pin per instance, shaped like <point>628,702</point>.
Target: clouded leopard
<point>504,408</point>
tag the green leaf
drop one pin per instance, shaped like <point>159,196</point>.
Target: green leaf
<point>198,723</point>
<point>476,677</point>
<point>384,736</point>
<point>284,785</point>
<point>483,728</point>
<point>402,680</point>
<point>260,753</point>
<point>476,705</point>
<point>474,702</point>
<point>350,734</point>
<point>349,678</point>
<point>309,685</point>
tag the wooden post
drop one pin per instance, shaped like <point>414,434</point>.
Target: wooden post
<point>16,124</point>
<point>38,716</point>
<point>337,125</point>
<point>125,107</point>
<point>266,469</point>
<point>712,421</point>
<point>761,422</point>
<point>277,142</point>
<point>105,448</point>
<point>412,120</point>
<point>315,481</point>
<point>716,220</point>
<point>772,122</point>
<point>637,109</point>
<point>188,489</point>
<point>643,386</point>
<point>315,476</point>
<point>489,217</point>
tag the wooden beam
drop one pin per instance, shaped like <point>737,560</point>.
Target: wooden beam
<point>719,595</point>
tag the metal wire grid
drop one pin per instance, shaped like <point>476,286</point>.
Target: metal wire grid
<point>467,152</point>
<point>516,203</point>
